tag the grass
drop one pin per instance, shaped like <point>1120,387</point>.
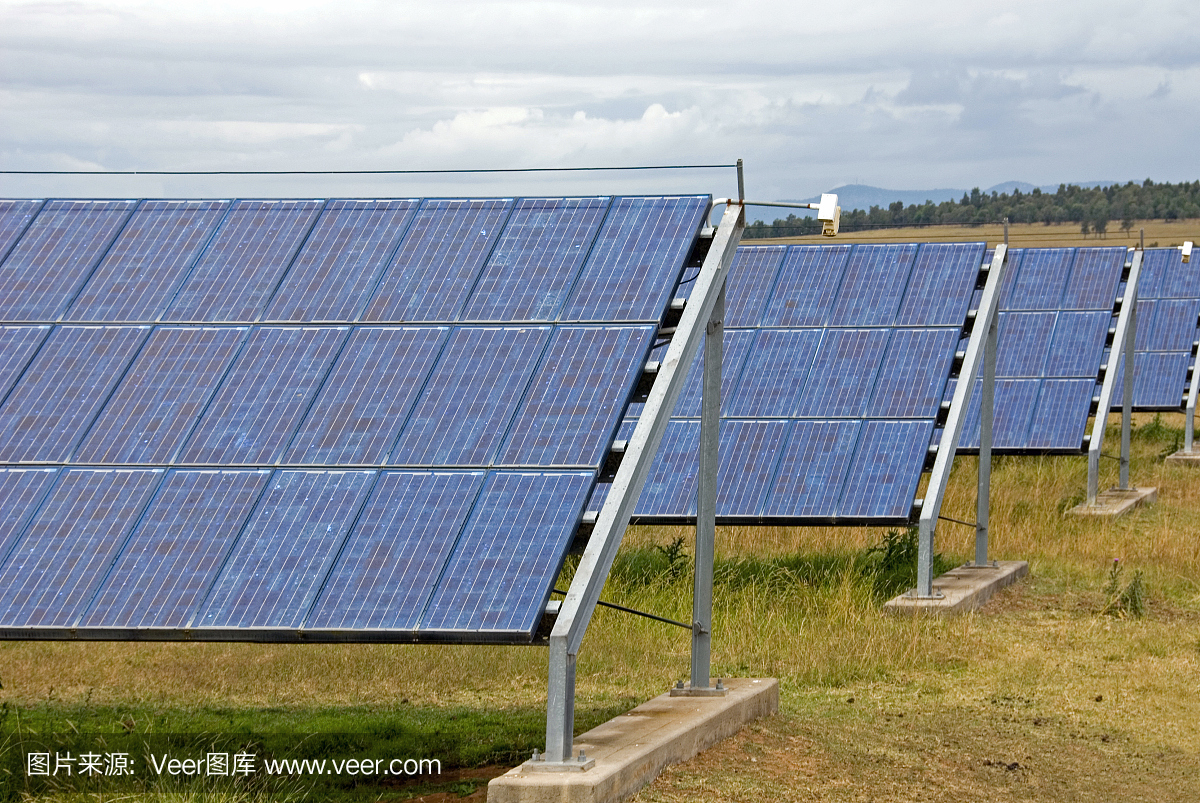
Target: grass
<point>1088,705</point>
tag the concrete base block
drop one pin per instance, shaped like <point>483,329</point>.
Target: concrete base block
<point>1114,502</point>
<point>631,750</point>
<point>963,589</point>
<point>1184,458</point>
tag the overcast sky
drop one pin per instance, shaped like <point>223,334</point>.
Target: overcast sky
<point>811,94</point>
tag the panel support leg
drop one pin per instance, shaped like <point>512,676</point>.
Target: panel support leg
<point>560,702</point>
<point>706,496</point>
<point>925,531</point>
<point>987,413</point>
<point>1127,398</point>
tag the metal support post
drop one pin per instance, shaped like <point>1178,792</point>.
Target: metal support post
<point>1189,414</point>
<point>1127,396</point>
<point>987,413</point>
<point>741,182</point>
<point>706,495</point>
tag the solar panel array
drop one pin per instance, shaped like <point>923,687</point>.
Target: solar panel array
<point>1168,316</point>
<point>835,364</point>
<point>1056,310</point>
<point>355,419</point>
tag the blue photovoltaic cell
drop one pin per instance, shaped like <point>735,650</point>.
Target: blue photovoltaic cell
<point>843,373</point>
<point>341,261</point>
<point>276,568</point>
<point>576,397</point>
<point>1078,345</point>
<point>1060,420</point>
<point>886,469</point>
<point>170,560</point>
<point>751,278</point>
<point>17,345</point>
<point>813,469</point>
<point>1170,324</point>
<point>939,292</point>
<point>439,260</point>
<point>162,395</point>
<point>14,218</point>
<point>499,574</point>
<point>243,264</point>
<point>49,410</point>
<point>367,396</point>
<point>1023,342</point>
<point>736,345</point>
<point>912,379</point>
<point>534,264</point>
<point>20,491</point>
<point>264,397</point>
<point>875,281</point>
<point>392,560</point>
<point>146,264</point>
<point>1094,278</point>
<point>775,373</point>
<point>470,397</point>
<point>1040,279</point>
<point>1160,381</point>
<point>1179,280</point>
<point>808,283</point>
<point>636,259</point>
<point>670,487</point>
<point>1157,263</point>
<point>1014,403</point>
<point>55,256</point>
<point>749,451</point>
<point>65,551</point>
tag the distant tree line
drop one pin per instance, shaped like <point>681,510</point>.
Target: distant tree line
<point>1093,209</point>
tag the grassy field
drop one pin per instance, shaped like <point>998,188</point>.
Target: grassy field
<point>1159,233</point>
<point>1043,695</point>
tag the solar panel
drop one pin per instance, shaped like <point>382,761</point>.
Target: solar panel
<point>245,261</point>
<point>812,470</point>
<point>18,344</point>
<point>1014,403</point>
<point>875,281</point>
<point>533,266</point>
<point>1078,338</point>
<point>939,292</point>
<point>275,570</point>
<point>670,488</point>
<point>736,346</point>
<point>748,287</point>
<point>1167,324</point>
<point>55,256</point>
<point>775,373</point>
<point>168,563</point>
<point>808,283</point>
<point>843,373</point>
<point>1094,276</point>
<point>1057,423</point>
<point>341,262</point>
<point>881,482</point>
<point>21,489</point>
<point>15,217</point>
<point>1039,280</point>
<point>912,378</point>
<point>148,261</point>
<point>68,382</point>
<point>1156,384</point>
<point>1026,337</point>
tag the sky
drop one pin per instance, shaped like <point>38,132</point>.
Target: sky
<point>810,95</point>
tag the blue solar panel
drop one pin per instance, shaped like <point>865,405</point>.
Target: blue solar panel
<point>17,345</point>
<point>1078,343</point>
<point>55,256</point>
<point>1040,279</point>
<point>1060,420</point>
<point>577,395</point>
<point>154,408</point>
<point>388,568</point>
<point>939,292</point>
<point>439,260</point>
<point>875,282</point>
<point>534,265</point>
<point>60,560</point>
<point>749,452</point>
<point>15,217</point>
<point>1170,324</point>
<point>775,373</point>
<point>843,373</point>
<point>1094,278</point>
<point>1023,341</point>
<point>21,490</point>
<point>636,259</point>
<point>1013,408</point>
<point>813,469</point>
<point>751,278</point>
<point>882,481</point>
<point>367,396</point>
<point>276,568</point>
<point>912,379</point>
<point>499,574</point>
<point>145,266</point>
<point>166,567</point>
<point>245,261</point>
<point>735,346</point>
<point>264,397</point>
<point>49,411</point>
<point>670,488</point>
<point>472,394</point>
<point>341,261</point>
<point>1159,382</point>
<point>1157,264</point>
<point>808,283</point>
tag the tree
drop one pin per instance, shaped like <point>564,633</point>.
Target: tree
<point>1084,229</point>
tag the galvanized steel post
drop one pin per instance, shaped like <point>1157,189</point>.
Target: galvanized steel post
<point>987,413</point>
<point>1127,397</point>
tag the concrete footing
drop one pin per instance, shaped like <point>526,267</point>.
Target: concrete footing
<point>963,589</point>
<point>1115,502</point>
<point>631,750</point>
<point>1184,458</point>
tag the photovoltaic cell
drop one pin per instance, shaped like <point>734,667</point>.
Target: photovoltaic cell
<point>775,373</point>
<point>749,452</point>
<point>62,557</point>
<point>1040,279</point>
<point>17,346</point>
<point>875,282</point>
<point>912,379</point>
<point>1078,344</point>
<point>387,570</point>
<point>341,261</point>
<point>245,261</point>
<point>636,258</point>
<point>1094,279</point>
<point>843,373</point>
<point>170,560</point>
<point>162,395</point>
<point>67,383</point>
<point>439,260</point>
<point>813,469</point>
<point>499,574</point>
<point>808,283</point>
<point>148,261</point>
<point>54,257</point>
<point>577,395</point>
<point>472,394</point>
<point>939,292</point>
<point>1060,420</point>
<point>1023,341</point>
<point>264,397</point>
<point>15,216</point>
<point>882,480</point>
<point>21,489</point>
<point>1014,403</point>
<point>670,488</point>
<point>1158,382</point>
<point>737,344</point>
<point>1170,324</point>
<point>532,269</point>
<point>364,402</point>
<point>276,568</point>
<point>751,278</point>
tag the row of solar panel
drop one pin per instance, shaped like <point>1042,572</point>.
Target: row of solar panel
<point>569,259</point>
<point>336,396</point>
<point>417,552</point>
